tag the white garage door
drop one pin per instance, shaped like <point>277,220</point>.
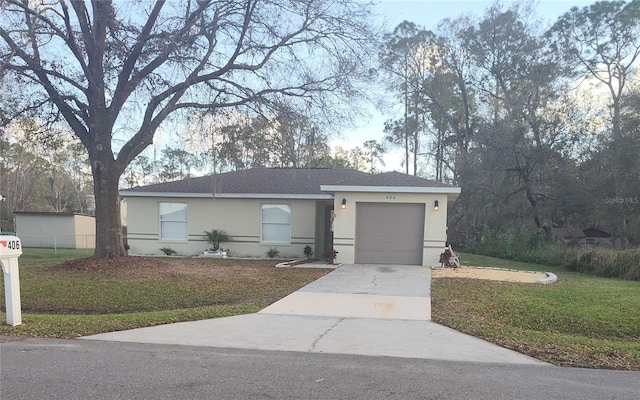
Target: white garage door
<point>389,233</point>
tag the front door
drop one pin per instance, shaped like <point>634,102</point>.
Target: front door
<point>328,229</point>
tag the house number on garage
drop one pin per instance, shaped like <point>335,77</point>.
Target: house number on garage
<point>391,197</point>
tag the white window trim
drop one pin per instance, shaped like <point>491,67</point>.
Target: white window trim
<point>273,242</point>
<point>160,221</point>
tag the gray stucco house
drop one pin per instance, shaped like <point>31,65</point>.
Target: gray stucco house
<point>386,218</point>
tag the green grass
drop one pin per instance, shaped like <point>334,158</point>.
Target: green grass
<point>477,260</point>
<point>32,256</point>
<point>70,326</point>
<point>63,302</point>
<point>580,320</point>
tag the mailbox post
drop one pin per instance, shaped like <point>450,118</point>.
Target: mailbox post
<point>10,250</point>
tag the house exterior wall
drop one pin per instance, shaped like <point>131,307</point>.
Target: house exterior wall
<point>51,230</point>
<point>240,218</point>
<point>344,224</point>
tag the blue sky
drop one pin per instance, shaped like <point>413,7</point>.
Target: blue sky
<point>428,13</point>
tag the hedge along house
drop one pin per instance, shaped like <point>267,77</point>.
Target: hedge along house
<point>387,218</point>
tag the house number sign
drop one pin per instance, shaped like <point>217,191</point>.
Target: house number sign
<point>10,244</point>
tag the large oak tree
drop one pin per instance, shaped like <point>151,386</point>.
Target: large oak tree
<point>105,67</point>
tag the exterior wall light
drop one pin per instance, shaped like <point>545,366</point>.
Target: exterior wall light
<point>343,205</point>
<point>436,206</point>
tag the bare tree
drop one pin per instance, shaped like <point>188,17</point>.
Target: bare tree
<point>602,41</point>
<point>375,152</point>
<point>526,129</point>
<point>103,66</point>
<point>405,58</point>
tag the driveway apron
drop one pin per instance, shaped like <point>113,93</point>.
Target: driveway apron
<point>363,291</point>
<point>377,310</point>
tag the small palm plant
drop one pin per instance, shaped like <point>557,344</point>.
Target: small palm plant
<point>215,237</point>
<point>308,251</point>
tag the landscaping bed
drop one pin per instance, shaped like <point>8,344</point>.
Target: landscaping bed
<point>491,274</point>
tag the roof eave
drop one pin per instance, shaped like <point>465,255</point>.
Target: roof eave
<point>131,193</point>
<point>286,196</point>
<point>392,189</point>
<point>291,196</point>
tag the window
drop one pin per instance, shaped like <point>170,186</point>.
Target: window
<point>276,224</point>
<point>173,221</point>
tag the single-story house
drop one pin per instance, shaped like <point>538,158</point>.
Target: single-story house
<point>56,229</point>
<point>386,218</point>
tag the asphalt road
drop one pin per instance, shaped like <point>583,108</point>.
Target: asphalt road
<point>80,369</point>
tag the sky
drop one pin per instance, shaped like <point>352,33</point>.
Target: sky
<point>428,13</point>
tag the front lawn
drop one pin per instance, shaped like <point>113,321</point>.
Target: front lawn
<point>82,297</point>
<point>580,320</point>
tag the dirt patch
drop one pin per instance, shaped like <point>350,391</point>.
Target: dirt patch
<point>217,269</point>
<point>488,274</point>
<point>111,264</point>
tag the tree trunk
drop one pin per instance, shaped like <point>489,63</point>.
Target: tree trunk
<point>406,119</point>
<point>109,241</point>
<point>619,237</point>
<point>625,239</point>
<point>545,226</point>
<point>416,139</point>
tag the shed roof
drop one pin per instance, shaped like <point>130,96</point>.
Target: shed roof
<point>596,233</point>
<point>52,213</point>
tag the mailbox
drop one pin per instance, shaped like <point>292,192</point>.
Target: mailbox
<point>10,250</point>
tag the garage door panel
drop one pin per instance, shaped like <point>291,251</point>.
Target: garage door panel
<point>395,258</point>
<point>389,244</point>
<point>389,233</point>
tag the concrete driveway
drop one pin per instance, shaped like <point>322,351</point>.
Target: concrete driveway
<point>377,310</point>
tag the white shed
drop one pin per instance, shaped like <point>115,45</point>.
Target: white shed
<point>56,230</point>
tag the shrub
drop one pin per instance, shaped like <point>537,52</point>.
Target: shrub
<point>330,255</point>
<point>273,252</point>
<point>528,247</point>
<point>628,263</point>
<point>308,251</point>
<point>522,246</point>
<point>168,251</point>
<point>215,237</point>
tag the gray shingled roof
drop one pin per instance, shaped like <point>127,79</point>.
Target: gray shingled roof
<point>284,181</point>
<point>393,179</point>
<point>257,180</point>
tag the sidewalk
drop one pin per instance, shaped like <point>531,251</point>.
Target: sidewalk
<point>356,309</point>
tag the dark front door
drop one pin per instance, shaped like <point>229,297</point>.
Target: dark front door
<point>328,229</point>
